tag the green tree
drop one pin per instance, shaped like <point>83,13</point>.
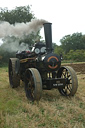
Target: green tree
<point>58,50</point>
<point>73,42</point>
<point>19,14</point>
<point>77,55</point>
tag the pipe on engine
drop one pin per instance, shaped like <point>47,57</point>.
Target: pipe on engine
<point>48,36</point>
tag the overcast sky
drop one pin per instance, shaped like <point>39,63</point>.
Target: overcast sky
<point>66,16</point>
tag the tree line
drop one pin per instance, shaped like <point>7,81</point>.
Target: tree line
<point>72,47</point>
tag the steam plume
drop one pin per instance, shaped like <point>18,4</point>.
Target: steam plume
<point>20,29</point>
<point>14,46</point>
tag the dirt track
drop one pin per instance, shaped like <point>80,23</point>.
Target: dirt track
<point>79,67</point>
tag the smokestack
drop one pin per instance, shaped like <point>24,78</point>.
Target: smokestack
<point>48,36</point>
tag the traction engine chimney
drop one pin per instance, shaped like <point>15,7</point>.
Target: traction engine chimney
<point>48,36</point>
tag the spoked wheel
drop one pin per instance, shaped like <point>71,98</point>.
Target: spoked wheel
<point>72,82</point>
<point>33,84</point>
<point>14,78</point>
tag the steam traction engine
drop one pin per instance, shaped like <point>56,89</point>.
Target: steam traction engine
<point>41,69</point>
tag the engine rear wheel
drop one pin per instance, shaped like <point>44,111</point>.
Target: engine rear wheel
<point>33,84</point>
<point>14,78</point>
<point>72,82</point>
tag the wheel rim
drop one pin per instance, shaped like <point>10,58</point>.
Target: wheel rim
<point>68,87</point>
<point>33,84</point>
<point>30,86</point>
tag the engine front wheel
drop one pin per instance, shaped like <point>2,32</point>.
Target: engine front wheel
<point>72,82</point>
<point>33,84</point>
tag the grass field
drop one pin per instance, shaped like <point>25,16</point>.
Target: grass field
<point>52,111</point>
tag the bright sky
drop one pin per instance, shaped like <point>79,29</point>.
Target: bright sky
<point>66,16</point>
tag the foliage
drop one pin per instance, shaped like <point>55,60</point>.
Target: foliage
<point>54,45</point>
<point>5,55</point>
<point>72,47</point>
<point>59,50</point>
<point>30,39</point>
<point>73,42</point>
<point>72,55</point>
<point>19,14</point>
<point>77,55</point>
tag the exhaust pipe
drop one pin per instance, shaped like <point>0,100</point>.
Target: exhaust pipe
<point>48,36</point>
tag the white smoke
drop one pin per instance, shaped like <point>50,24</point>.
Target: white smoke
<point>15,46</point>
<point>20,29</point>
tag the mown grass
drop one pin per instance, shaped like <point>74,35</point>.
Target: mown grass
<point>52,111</point>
